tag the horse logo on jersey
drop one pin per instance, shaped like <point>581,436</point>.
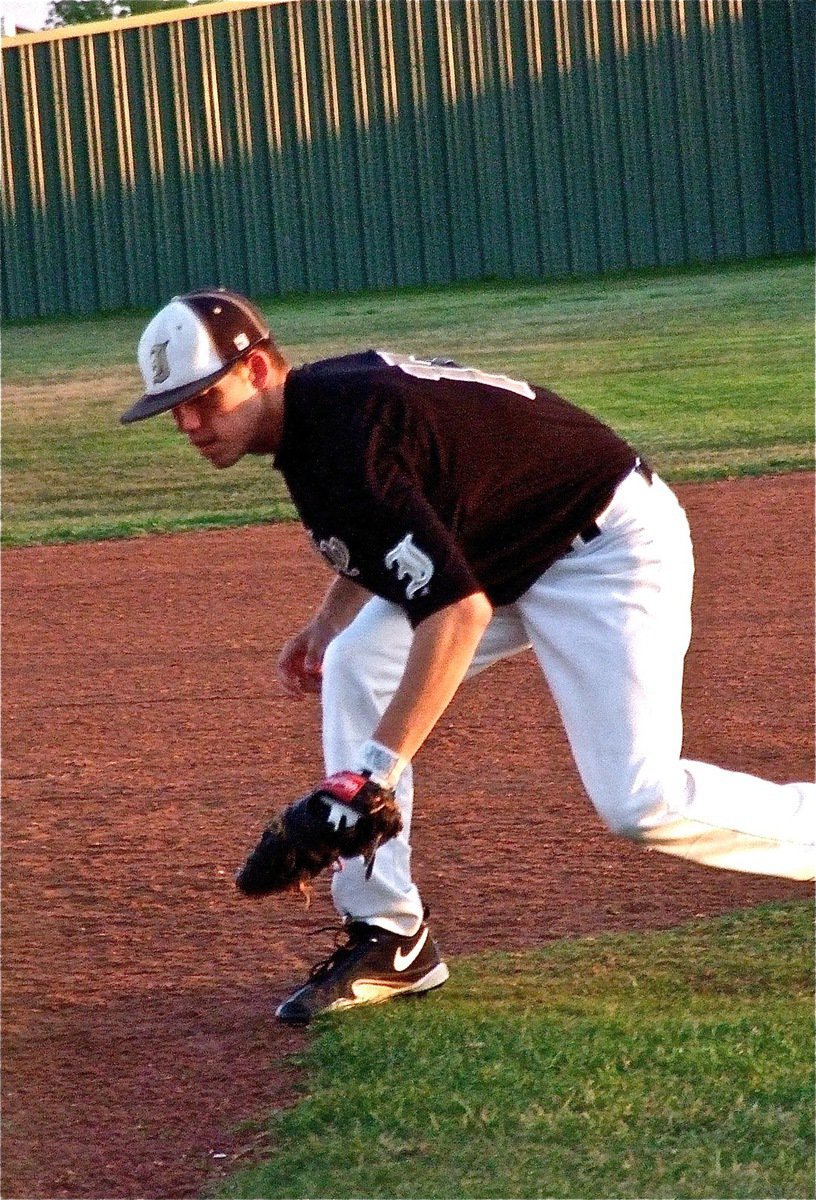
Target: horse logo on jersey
<point>411,564</point>
<point>336,554</point>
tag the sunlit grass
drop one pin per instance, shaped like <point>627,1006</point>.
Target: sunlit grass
<point>675,1064</point>
<point>708,372</point>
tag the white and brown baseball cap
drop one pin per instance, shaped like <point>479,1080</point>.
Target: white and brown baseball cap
<point>190,344</point>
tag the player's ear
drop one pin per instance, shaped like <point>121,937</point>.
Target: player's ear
<point>260,369</point>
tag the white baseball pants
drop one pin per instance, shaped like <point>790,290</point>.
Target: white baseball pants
<point>610,625</point>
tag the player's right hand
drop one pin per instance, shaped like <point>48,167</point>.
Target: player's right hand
<point>300,665</point>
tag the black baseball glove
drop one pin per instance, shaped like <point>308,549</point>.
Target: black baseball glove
<point>346,816</point>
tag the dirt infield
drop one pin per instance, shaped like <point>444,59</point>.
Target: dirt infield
<point>144,741</point>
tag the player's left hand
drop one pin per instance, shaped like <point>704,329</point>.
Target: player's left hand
<point>346,816</point>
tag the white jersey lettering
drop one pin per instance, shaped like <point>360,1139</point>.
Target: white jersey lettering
<point>422,368</point>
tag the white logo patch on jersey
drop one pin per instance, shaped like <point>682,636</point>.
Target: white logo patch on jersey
<point>411,564</point>
<point>336,554</point>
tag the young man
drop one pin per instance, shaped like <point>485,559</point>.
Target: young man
<point>468,516</point>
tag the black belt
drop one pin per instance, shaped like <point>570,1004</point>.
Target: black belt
<point>592,531</point>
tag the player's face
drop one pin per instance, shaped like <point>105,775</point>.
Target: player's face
<point>223,423</point>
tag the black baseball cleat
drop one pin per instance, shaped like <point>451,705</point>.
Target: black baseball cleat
<point>372,965</point>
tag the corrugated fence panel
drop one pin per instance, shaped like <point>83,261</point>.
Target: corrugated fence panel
<point>333,145</point>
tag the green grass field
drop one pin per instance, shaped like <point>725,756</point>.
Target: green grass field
<point>709,372</point>
<point>676,1064</point>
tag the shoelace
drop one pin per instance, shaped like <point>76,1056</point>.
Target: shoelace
<point>356,933</point>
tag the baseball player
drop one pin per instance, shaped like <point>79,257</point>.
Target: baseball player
<point>467,516</point>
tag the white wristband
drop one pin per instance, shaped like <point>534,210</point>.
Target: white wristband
<point>382,764</point>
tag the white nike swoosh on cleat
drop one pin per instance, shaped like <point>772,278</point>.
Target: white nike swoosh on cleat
<point>403,961</point>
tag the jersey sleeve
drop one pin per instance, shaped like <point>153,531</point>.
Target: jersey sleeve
<point>412,559</point>
<point>390,540</point>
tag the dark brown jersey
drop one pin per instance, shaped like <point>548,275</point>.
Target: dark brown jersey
<point>426,481</point>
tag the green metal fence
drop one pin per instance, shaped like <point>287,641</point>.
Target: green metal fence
<point>333,145</point>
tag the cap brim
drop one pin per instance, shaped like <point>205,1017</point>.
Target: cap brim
<point>153,403</point>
